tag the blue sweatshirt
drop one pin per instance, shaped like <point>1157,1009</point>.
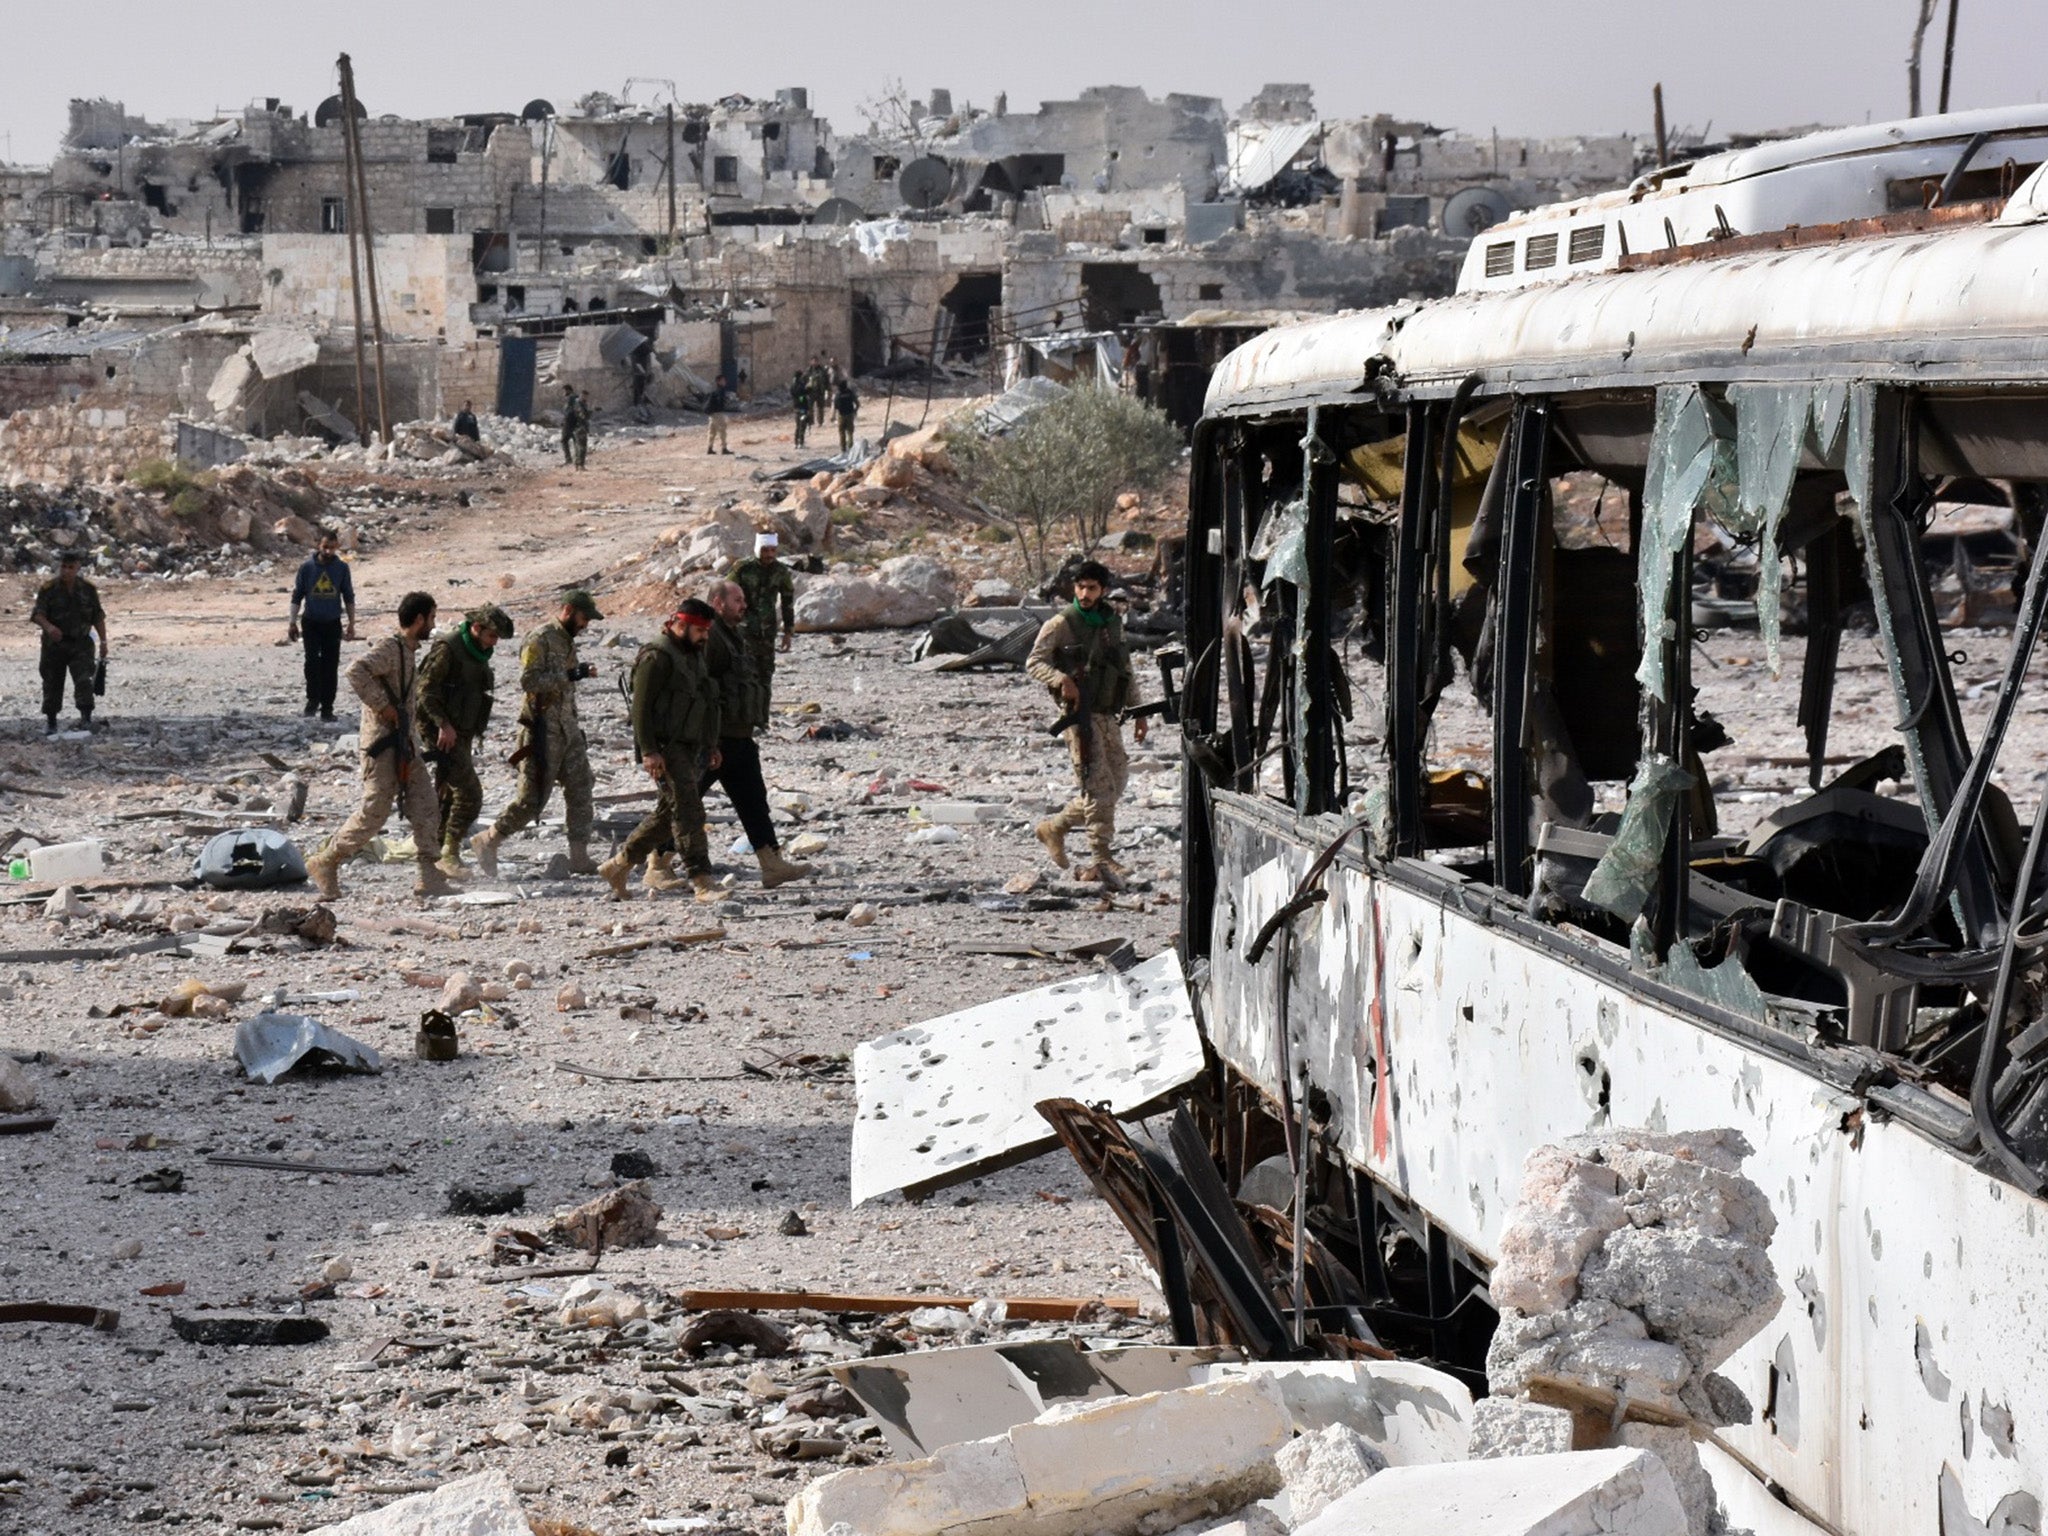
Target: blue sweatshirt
<point>324,588</point>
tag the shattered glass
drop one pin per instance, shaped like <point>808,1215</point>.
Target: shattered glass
<point>1770,431</point>
<point>1692,468</point>
<point>1282,543</point>
<point>1626,874</point>
<point>1727,984</point>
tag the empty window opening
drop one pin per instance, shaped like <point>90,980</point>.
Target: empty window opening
<point>1154,235</point>
<point>886,167</point>
<point>333,216</point>
<point>1209,291</point>
<point>443,145</point>
<point>725,172</point>
<point>440,221</point>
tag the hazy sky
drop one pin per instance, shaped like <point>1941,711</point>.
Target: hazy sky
<point>1523,66</point>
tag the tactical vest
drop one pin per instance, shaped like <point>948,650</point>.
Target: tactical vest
<point>682,707</point>
<point>742,692</point>
<point>1100,662</point>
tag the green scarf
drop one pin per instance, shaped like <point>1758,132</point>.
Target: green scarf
<point>469,644</point>
<point>1094,617</point>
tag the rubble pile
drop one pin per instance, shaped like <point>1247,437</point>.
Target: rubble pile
<point>169,523</point>
<point>1635,1264</point>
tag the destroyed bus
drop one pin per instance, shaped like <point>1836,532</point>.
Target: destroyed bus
<point>1471,866</point>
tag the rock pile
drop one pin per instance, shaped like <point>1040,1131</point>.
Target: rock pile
<point>172,523</point>
<point>1635,1264</point>
<point>910,589</point>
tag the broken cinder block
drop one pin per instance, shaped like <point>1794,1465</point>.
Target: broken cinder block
<point>1620,1492</point>
<point>1118,1466</point>
<point>483,1505</point>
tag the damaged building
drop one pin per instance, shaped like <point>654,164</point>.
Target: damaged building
<point>638,248</point>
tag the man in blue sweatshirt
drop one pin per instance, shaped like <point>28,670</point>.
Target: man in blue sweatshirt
<point>321,596</point>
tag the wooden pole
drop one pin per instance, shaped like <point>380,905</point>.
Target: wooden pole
<point>350,220</point>
<point>547,148</point>
<point>1920,26</point>
<point>369,236</point>
<point>1948,53</point>
<point>1663,144</point>
<point>671,176</point>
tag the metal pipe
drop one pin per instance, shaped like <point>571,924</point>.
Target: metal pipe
<point>1948,53</point>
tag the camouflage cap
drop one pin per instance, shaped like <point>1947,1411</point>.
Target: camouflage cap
<point>581,600</point>
<point>490,616</point>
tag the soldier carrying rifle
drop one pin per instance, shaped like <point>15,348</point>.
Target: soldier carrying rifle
<point>1081,655</point>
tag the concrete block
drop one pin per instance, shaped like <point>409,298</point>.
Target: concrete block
<point>1511,1426</point>
<point>484,1505</point>
<point>1620,1492</point>
<point>1318,1469</point>
<point>976,1480</point>
<point>1150,1463</point>
<point>1409,1413</point>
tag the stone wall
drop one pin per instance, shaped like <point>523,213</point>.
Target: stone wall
<point>78,441</point>
<point>425,282</point>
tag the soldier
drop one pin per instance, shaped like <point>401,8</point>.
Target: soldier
<point>386,679</point>
<point>69,614</point>
<point>1080,654</point>
<point>800,402</point>
<point>551,749</point>
<point>716,408</point>
<point>321,594</point>
<point>743,710</point>
<point>766,584</point>
<point>847,405</point>
<point>465,425</point>
<point>455,706</point>
<point>820,390</point>
<point>675,731</point>
<point>575,430</point>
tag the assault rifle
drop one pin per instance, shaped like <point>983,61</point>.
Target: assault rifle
<point>1166,706</point>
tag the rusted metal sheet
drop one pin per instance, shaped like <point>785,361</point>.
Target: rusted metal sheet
<point>1905,1363</point>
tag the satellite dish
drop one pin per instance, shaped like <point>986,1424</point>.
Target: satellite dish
<point>328,112</point>
<point>925,182</point>
<point>1468,212</point>
<point>838,210</point>
<point>536,111</point>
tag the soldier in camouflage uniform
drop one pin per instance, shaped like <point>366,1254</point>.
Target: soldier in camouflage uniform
<point>800,402</point>
<point>551,748</point>
<point>69,614</point>
<point>768,585</point>
<point>1081,655</point>
<point>386,679</point>
<point>455,706</point>
<point>675,731</point>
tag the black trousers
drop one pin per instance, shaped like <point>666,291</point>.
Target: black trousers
<point>75,659</point>
<point>739,772</point>
<point>323,660</point>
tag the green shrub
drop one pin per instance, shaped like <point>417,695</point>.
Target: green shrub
<point>1061,471</point>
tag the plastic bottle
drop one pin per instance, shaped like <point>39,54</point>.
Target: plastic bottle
<point>59,863</point>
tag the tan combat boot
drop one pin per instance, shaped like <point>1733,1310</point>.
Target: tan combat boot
<point>1054,836</point>
<point>485,846</point>
<point>706,886</point>
<point>580,861</point>
<point>660,877</point>
<point>450,863</point>
<point>777,870</point>
<point>323,869</point>
<point>431,881</point>
<point>615,870</point>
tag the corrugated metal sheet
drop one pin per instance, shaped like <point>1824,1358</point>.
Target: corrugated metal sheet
<point>65,341</point>
<point>1260,151</point>
<point>1971,301</point>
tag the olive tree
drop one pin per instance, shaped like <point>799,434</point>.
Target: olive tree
<point>1060,471</point>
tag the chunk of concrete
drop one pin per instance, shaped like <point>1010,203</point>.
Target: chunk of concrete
<point>1511,1426</point>
<point>1130,1464</point>
<point>1318,1469</point>
<point>17,1093</point>
<point>483,1505</point>
<point>1408,1412</point>
<point>1567,1206</point>
<point>1620,1492</point>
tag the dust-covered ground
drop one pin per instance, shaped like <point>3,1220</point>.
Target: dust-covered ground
<point>434,1367</point>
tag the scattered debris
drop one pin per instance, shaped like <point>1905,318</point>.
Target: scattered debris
<point>482,1200</point>
<point>248,859</point>
<point>235,1329</point>
<point>726,1326</point>
<point>436,1039</point>
<point>633,1164</point>
<point>17,1093</point>
<point>271,1044</point>
<point>626,1217</point>
<point>1035,1309</point>
<point>482,1505</point>
<point>105,1319</point>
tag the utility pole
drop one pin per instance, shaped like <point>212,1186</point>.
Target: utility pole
<point>350,223</point>
<point>671,175</point>
<point>354,140</point>
<point>1948,53</point>
<point>1920,27</point>
<point>1663,144</point>
<point>547,149</point>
